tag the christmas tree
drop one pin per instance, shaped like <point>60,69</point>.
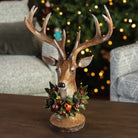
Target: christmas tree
<point>74,15</point>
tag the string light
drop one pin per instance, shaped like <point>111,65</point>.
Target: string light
<point>133,25</point>
<point>86,4</point>
<point>79,27</point>
<point>92,74</point>
<point>87,50</point>
<point>82,52</point>
<point>102,87</point>
<point>130,20</point>
<point>121,30</point>
<point>105,68</point>
<point>96,90</point>
<point>86,40</point>
<point>57,8</point>
<point>85,69</point>
<point>60,13</point>
<point>108,81</point>
<point>110,42</point>
<point>100,24</point>
<point>124,1</point>
<point>111,3</point>
<point>68,22</point>
<point>96,6</point>
<point>47,28</point>
<point>79,12</point>
<point>81,83</point>
<point>125,20</point>
<point>68,41</point>
<point>52,4</point>
<point>42,1</point>
<point>43,18</point>
<point>125,37</point>
<point>67,32</point>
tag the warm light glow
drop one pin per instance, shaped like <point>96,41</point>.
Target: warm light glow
<point>95,90</point>
<point>130,20</point>
<point>67,32</point>
<point>108,81</point>
<point>60,13</point>
<point>87,50</point>
<point>101,24</point>
<point>102,87</point>
<point>96,6</point>
<point>85,69</point>
<point>100,74</point>
<point>79,12</point>
<point>86,40</point>
<point>81,83</point>
<point>125,20</point>
<point>133,25</point>
<point>92,74</point>
<point>105,68</point>
<point>43,18</point>
<point>90,10</point>
<point>124,1</point>
<point>82,52</point>
<point>86,4</point>
<point>111,3</point>
<point>125,37</point>
<point>79,27</point>
<point>52,4</point>
<point>110,42</point>
<point>47,28</point>
<point>121,30</point>
<point>68,41</point>
<point>68,22</point>
<point>58,8</point>
<point>42,1</point>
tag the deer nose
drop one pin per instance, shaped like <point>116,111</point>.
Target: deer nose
<point>62,85</point>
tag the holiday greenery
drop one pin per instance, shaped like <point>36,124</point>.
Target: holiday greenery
<point>68,106</point>
<point>75,15</point>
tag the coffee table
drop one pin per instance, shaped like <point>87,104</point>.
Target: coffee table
<point>26,117</point>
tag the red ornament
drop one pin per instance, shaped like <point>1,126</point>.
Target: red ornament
<point>67,106</point>
<point>77,105</point>
<point>63,112</point>
<point>47,7</point>
<point>59,101</point>
<point>81,92</point>
<point>82,101</point>
<point>55,107</point>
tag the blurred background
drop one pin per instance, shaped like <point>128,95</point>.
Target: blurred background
<point>73,15</point>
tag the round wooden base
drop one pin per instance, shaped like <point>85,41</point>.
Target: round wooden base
<point>71,124</point>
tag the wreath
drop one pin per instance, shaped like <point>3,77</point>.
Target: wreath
<point>68,106</point>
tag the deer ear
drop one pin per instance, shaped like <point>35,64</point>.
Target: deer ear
<point>50,60</point>
<point>85,61</point>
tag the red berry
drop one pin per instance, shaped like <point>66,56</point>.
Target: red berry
<point>59,101</point>
<point>63,112</point>
<point>82,101</point>
<point>55,107</point>
<point>81,92</point>
<point>77,105</point>
<point>69,111</point>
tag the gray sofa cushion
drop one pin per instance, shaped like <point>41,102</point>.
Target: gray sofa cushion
<point>26,75</point>
<point>128,86</point>
<point>16,39</point>
<point>13,11</point>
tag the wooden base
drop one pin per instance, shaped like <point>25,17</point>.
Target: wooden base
<point>71,124</point>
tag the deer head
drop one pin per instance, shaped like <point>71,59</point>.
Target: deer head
<point>66,67</point>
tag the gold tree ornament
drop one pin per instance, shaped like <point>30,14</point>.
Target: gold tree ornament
<point>66,67</point>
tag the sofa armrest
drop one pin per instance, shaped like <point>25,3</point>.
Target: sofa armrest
<point>124,60</point>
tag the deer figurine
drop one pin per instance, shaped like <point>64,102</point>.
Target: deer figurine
<point>66,67</point>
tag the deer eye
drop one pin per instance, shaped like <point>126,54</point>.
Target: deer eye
<point>72,69</point>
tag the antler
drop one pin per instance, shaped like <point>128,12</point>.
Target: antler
<point>60,45</point>
<point>97,39</point>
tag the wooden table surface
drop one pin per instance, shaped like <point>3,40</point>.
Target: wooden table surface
<point>26,117</point>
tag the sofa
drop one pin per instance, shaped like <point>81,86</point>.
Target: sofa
<point>22,70</point>
<point>124,74</point>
